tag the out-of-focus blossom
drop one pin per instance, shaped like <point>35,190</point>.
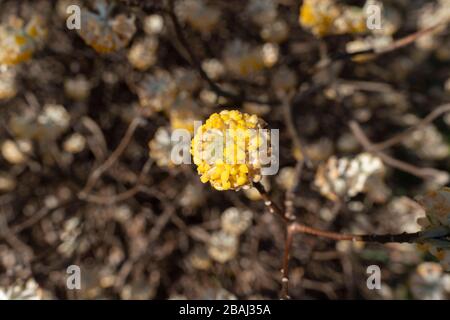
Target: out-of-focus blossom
<point>199,259</point>
<point>104,33</point>
<point>184,112</point>
<point>436,225</point>
<point>198,15</point>
<point>160,147</point>
<point>238,139</point>
<point>346,177</point>
<point>235,221</point>
<point>157,91</point>
<point>270,54</point>
<point>8,85</point>
<point>62,5</point>
<point>18,41</point>
<point>217,294</point>
<point>28,290</point>
<point>447,89</point>
<point>48,124</point>
<point>426,283</point>
<point>437,207</point>
<point>320,150</point>
<point>186,79</point>
<point>347,143</point>
<point>276,32</point>
<point>142,54</point>
<point>390,19</point>
<point>431,15</point>
<point>244,60</point>
<point>428,143</point>
<point>262,12</point>
<point>78,88</point>
<point>192,197</point>
<point>153,24</point>
<point>286,178</point>
<point>256,108</point>
<point>16,152</point>
<point>213,68</point>
<point>400,215</point>
<point>222,246</point>
<point>69,236</point>
<point>284,79</point>
<point>326,17</point>
<point>75,143</point>
<point>351,20</point>
<point>141,290</point>
<point>7,182</point>
<point>52,122</point>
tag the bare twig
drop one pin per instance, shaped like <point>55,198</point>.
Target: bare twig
<point>97,173</point>
<point>109,200</point>
<point>40,214</point>
<point>397,44</point>
<point>402,237</point>
<point>273,207</point>
<point>286,103</point>
<point>424,173</point>
<point>433,115</point>
<point>375,52</point>
<point>293,227</point>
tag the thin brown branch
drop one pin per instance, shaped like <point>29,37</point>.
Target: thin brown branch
<point>424,173</point>
<point>109,200</point>
<point>374,52</point>
<point>402,237</point>
<point>433,115</point>
<point>272,206</point>
<point>397,44</point>
<point>115,155</point>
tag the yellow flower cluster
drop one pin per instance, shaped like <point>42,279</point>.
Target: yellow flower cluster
<point>18,41</point>
<point>226,150</point>
<point>325,17</point>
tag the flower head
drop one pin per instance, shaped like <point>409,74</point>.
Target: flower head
<point>199,15</point>
<point>436,225</point>
<point>18,41</point>
<point>103,33</point>
<point>437,207</point>
<point>346,177</point>
<point>325,17</point>
<point>223,247</point>
<point>8,85</point>
<point>157,91</point>
<point>228,149</point>
<point>142,54</point>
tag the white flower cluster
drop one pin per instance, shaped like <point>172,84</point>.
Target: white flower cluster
<point>223,245</point>
<point>27,291</point>
<point>198,15</point>
<point>347,177</point>
<point>428,282</point>
<point>436,225</point>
